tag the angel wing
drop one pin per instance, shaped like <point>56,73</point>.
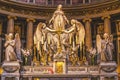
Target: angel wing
<point>38,35</point>
<point>6,37</point>
<point>111,38</point>
<point>18,46</point>
<point>81,31</point>
<point>98,43</point>
<point>17,41</point>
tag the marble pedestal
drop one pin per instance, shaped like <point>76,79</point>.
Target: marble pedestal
<point>108,70</point>
<point>11,69</point>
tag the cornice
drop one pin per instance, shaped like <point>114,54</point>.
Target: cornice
<point>44,12</point>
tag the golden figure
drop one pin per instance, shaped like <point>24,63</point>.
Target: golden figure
<point>58,19</point>
<point>55,39</point>
<point>39,38</point>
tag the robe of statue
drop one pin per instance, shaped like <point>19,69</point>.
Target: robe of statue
<point>59,19</point>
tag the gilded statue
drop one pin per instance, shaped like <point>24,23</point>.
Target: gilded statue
<point>55,39</point>
<point>40,40</point>
<point>76,38</point>
<point>59,20</point>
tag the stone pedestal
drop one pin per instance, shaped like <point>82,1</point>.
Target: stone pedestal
<point>11,69</point>
<point>108,70</point>
<point>59,65</point>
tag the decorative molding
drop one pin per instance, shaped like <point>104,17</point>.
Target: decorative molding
<point>44,12</point>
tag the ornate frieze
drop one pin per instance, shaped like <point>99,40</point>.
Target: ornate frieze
<point>44,12</point>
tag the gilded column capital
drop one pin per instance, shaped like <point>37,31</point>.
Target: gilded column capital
<point>12,17</point>
<point>106,16</point>
<point>87,19</point>
<point>30,19</point>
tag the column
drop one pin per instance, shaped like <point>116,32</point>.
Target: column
<point>52,2</point>
<point>107,24</point>
<point>29,41</point>
<point>0,51</point>
<point>118,46</point>
<point>71,2</point>
<point>89,1</point>
<point>10,27</point>
<point>88,36</point>
<point>83,1</point>
<point>46,2</point>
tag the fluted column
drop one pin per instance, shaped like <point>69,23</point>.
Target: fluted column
<point>118,46</point>
<point>107,24</point>
<point>88,35</point>
<point>10,27</point>
<point>29,42</point>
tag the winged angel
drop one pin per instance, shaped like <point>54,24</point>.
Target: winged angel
<point>105,47</point>
<point>58,38</point>
<point>12,45</point>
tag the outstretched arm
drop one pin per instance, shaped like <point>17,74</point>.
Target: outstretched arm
<point>52,18</point>
<point>65,19</point>
<point>50,30</point>
<point>69,31</point>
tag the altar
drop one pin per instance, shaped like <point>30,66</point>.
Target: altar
<point>60,53</point>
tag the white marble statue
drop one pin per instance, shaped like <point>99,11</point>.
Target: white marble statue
<point>9,48</point>
<point>105,47</point>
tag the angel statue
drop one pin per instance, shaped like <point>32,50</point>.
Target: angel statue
<point>39,37</point>
<point>59,20</point>
<point>18,46</point>
<point>78,35</point>
<point>40,41</point>
<point>105,47</point>
<point>9,48</point>
<point>109,47</point>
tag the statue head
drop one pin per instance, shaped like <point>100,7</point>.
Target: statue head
<point>10,36</point>
<point>17,35</point>
<point>41,26</point>
<point>59,7</point>
<point>105,36</point>
<point>98,36</point>
<point>73,21</point>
